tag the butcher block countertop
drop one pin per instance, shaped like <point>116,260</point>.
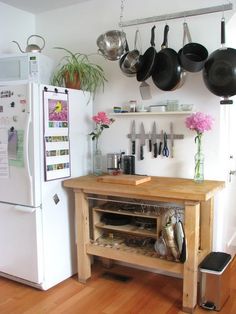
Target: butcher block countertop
<point>157,187</point>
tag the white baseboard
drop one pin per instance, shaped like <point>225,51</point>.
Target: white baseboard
<point>231,245</point>
<point>232,241</point>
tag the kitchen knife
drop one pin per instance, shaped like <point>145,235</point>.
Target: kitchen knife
<point>142,141</point>
<point>171,140</point>
<point>154,139</point>
<point>133,138</point>
<point>150,141</point>
<point>161,142</point>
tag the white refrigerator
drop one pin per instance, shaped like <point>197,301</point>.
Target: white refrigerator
<point>43,140</point>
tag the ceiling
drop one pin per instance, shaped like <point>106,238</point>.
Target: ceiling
<point>39,6</point>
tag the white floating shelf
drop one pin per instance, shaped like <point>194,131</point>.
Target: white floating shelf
<point>127,114</point>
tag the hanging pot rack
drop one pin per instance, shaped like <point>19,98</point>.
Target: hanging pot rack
<point>177,15</point>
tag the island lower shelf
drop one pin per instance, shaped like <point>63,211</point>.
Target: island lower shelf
<point>171,267</point>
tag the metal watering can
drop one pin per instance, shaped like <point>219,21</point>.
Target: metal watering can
<point>31,47</point>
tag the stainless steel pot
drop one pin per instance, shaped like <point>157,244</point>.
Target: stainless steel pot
<point>112,44</point>
<point>130,62</point>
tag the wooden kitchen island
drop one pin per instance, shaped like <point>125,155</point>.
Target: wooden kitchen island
<point>198,202</point>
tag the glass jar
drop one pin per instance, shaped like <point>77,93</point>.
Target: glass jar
<point>97,162</point>
<point>199,167</point>
<point>199,160</point>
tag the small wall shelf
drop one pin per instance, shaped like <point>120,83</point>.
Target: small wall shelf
<point>128,114</point>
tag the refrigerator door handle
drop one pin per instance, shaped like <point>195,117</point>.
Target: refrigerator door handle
<point>26,154</point>
<point>25,209</point>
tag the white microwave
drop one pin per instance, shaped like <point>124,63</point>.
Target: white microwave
<point>32,67</point>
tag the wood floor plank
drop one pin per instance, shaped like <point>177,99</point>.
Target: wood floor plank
<point>144,293</point>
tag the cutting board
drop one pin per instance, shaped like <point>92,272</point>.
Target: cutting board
<point>125,179</point>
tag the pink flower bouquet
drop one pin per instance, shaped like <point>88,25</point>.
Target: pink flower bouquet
<point>102,122</point>
<point>199,122</point>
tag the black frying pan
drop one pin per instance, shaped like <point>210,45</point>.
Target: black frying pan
<point>167,74</point>
<point>148,60</point>
<point>219,72</point>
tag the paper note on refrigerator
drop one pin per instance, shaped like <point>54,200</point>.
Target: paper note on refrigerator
<point>12,144</point>
<point>18,160</point>
<point>4,167</point>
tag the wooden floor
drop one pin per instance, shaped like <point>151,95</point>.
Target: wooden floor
<point>144,293</point>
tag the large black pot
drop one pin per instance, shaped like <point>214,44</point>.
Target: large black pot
<point>193,55</point>
<point>219,72</point>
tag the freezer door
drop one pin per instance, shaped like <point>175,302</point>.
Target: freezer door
<point>19,146</point>
<point>21,242</point>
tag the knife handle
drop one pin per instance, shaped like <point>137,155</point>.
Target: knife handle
<point>141,153</point>
<point>133,147</point>
<point>155,150</point>
<point>160,148</point>
<point>150,145</point>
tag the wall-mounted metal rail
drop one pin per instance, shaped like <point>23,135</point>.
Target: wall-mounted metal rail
<point>177,15</point>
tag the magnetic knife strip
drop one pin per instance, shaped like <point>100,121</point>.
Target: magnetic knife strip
<point>159,136</point>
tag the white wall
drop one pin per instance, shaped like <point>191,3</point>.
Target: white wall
<point>77,28</point>
<point>15,25</point>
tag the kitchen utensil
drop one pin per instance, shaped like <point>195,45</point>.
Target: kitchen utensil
<point>181,240</point>
<point>31,47</point>
<point>112,44</point>
<point>115,219</point>
<point>165,151</point>
<point>167,73</point>
<point>168,235</point>
<point>160,247</point>
<point>219,72</point>
<point>125,179</point>
<point>114,163</point>
<point>128,164</point>
<point>148,62</point>
<point>130,62</point>
<point>161,143</point>
<point>154,139</point>
<point>142,141</point>
<point>133,137</point>
<point>125,70</point>
<point>171,140</point>
<point>193,55</point>
<point>179,235</point>
<point>145,90</point>
<point>149,142</point>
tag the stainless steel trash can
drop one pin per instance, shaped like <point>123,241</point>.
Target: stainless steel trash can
<point>214,280</point>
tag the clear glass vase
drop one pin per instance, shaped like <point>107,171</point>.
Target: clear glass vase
<point>199,161</point>
<point>97,160</point>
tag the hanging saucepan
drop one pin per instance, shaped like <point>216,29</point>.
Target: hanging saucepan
<point>112,44</point>
<point>148,60</point>
<point>127,72</point>
<point>219,72</point>
<point>193,55</point>
<point>167,74</point>
<point>130,63</point>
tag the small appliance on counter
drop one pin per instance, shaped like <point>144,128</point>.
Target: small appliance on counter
<point>118,163</point>
<point>128,164</point>
<point>114,163</point>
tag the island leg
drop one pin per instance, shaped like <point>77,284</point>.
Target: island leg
<point>190,274</point>
<point>206,225</point>
<point>82,224</point>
